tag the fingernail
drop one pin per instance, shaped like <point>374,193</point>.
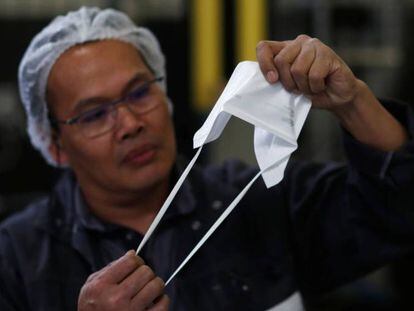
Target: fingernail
<point>130,252</point>
<point>271,76</point>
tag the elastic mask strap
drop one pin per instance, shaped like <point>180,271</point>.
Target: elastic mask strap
<point>213,228</point>
<point>168,201</point>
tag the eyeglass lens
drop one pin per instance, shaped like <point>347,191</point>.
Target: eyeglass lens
<point>102,119</point>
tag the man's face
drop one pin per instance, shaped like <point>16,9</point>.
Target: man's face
<point>139,151</point>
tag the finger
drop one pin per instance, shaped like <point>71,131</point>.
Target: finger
<point>147,295</point>
<point>137,280</point>
<point>283,62</point>
<point>319,72</point>
<point>265,51</point>
<point>119,269</point>
<point>92,276</point>
<point>301,66</point>
<point>160,304</point>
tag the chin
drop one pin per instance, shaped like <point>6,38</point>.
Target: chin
<point>150,177</point>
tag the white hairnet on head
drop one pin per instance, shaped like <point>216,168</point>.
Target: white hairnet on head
<point>81,26</point>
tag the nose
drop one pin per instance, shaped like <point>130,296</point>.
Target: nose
<point>128,124</point>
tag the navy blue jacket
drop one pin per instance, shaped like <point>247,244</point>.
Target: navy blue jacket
<point>322,226</point>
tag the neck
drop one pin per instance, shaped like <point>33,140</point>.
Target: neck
<point>135,210</point>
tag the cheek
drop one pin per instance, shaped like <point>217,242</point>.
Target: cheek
<point>165,129</point>
<point>86,154</point>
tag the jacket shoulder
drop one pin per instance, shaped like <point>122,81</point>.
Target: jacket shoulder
<point>25,219</point>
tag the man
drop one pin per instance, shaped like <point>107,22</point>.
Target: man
<point>92,85</point>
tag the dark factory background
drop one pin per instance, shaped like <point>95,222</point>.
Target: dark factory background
<point>203,41</point>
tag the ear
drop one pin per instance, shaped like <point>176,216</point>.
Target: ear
<point>57,152</point>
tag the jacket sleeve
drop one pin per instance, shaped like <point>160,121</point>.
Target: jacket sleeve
<point>11,284</point>
<point>349,219</point>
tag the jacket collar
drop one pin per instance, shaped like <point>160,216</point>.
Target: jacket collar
<point>67,211</point>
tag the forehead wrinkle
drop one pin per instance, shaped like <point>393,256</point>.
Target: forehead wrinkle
<point>79,51</point>
<point>139,76</point>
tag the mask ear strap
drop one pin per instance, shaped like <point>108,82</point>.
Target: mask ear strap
<point>213,228</point>
<point>168,201</point>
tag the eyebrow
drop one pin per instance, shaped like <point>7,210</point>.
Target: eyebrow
<point>137,77</point>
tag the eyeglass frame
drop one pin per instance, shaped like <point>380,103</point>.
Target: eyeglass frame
<point>112,105</point>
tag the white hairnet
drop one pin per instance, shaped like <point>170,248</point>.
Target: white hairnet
<point>83,25</point>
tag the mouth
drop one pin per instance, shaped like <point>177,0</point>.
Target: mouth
<point>140,156</point>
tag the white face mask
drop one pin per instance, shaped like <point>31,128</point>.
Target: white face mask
<point>278,117</point>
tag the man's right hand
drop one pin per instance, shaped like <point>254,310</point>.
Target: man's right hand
<point>125,284</point>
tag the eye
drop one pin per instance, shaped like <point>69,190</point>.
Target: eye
<point>139,92</point>
<point>94,115</point>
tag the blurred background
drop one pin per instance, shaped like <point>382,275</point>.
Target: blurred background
<point>203,41</point>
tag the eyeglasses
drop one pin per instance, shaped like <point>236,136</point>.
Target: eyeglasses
<point>102,119</point>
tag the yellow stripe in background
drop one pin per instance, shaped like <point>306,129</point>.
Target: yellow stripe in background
<point>207,55</point>
<point>251,27</point>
